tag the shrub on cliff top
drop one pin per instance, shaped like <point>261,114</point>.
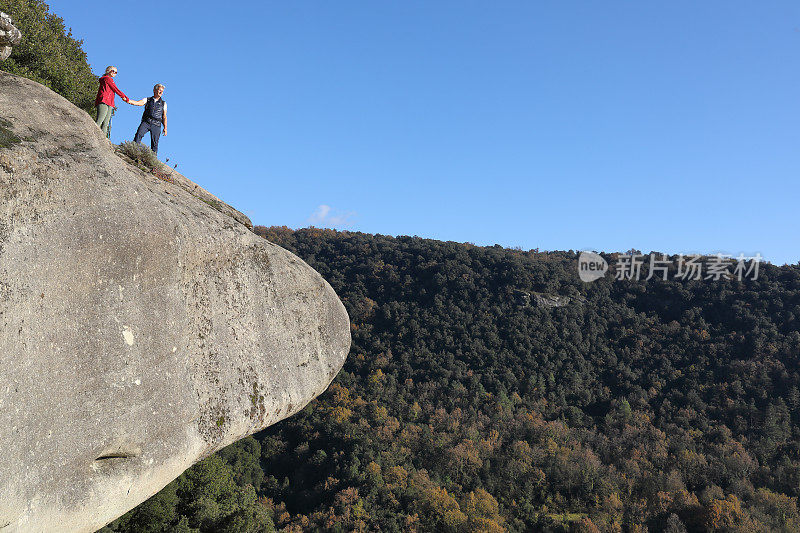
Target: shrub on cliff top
<point>141,154</point>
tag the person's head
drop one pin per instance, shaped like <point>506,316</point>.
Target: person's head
<point>111,70</point>
<point>158,90</point>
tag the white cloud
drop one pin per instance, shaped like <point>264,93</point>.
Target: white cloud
<point>319,215</point>
<point>325,216</point>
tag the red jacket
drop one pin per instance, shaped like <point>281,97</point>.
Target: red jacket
<point>105,93</point>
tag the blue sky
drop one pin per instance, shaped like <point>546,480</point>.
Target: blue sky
<point>554,125</point>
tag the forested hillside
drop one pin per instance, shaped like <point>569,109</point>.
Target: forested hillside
<point>466,405</point>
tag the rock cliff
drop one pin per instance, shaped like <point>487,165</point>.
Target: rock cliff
<point>141,328</point>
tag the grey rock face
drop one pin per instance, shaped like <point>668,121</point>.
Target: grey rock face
<point>523,299</point>
<point>551,300</point>
<point>9,36</point>
<point>141,329</point>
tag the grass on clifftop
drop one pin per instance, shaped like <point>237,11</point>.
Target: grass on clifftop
<point>141,154</point>
<point>144,158</point>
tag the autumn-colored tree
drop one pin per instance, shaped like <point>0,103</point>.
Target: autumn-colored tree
<point>483,513</point>
<point>724,515</point>
<point>584,525</point>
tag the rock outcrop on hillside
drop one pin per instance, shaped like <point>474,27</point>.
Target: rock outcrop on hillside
<point>141,328</point>
<point>9,36</point>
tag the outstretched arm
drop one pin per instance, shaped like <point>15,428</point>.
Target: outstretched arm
<point>116,90</point>
<point>138,102</point>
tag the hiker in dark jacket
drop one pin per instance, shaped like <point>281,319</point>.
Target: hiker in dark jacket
<point>154,117</point>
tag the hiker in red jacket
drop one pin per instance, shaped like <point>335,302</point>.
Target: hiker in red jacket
<point>105,98</point>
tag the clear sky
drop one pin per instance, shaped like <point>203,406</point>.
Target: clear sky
<point>669,126</point>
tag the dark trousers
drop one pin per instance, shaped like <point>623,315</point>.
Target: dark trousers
<point>155,132</point>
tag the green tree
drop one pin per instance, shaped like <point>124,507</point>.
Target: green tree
<point>48,53</point>
<point>204,499</point>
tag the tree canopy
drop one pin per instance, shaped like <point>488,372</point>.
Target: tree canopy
<point>48,53</point>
